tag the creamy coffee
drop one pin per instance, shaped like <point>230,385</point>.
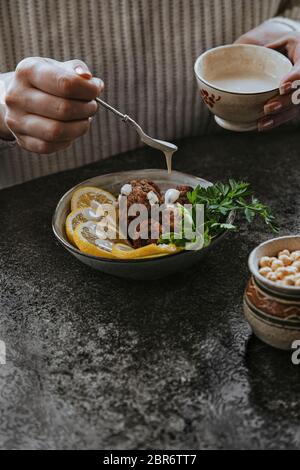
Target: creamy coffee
<point>246,83</point>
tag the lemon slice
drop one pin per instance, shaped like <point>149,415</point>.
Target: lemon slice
<point>88,241</point>
<point>84,196</point>
<point>73,220</point>
<point>93,213</point>
<point>122,251</point>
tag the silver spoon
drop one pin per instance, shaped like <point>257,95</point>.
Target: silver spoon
<point>166,147</point>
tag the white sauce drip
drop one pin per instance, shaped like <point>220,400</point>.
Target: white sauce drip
<point>171,196</point>
<point>126,189</point>
<point>169,157</point>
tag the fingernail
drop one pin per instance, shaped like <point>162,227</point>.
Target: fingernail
<point>83,73</point>
<point>285,88</point>
<point>267,124</point>
<point>101,83</point>
<point>91,119</point>
<point>272,107</point>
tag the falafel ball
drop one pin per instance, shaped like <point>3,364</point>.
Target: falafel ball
<point>184,190</point>
<point>142,190</point>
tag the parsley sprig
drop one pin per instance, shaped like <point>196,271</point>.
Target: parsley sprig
<point>219,201</point>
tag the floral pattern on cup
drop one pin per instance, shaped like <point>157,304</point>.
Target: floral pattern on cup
<point>210,100</point>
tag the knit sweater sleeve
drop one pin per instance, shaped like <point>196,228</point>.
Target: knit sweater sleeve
<point>290,15</point>
<point>4,144</point>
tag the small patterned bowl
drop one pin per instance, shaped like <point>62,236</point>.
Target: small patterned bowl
<point>273,311</point>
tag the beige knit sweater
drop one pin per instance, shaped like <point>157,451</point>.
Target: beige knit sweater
<point>143,49</point>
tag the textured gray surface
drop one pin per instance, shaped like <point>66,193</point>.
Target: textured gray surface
<point>99,362</point>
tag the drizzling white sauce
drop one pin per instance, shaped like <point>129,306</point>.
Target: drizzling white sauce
<point>171,196</point>
<point>169,157</point>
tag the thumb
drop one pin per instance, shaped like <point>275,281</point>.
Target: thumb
<point>291,80</point>
<point>79,67</point>
<point>83,71</point>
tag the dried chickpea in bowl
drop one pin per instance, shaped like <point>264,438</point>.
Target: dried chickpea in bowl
<point>283,269</point>
<point>272,295</point>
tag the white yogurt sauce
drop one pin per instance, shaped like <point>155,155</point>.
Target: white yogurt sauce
<point>126,189</point>
<point>171,196</point>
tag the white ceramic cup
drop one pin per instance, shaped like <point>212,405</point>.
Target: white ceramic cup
<point>235,108</point>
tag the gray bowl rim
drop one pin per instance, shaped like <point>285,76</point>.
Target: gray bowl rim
<point>76,251</point>
<point>262,280</point>
<point>205,82</point>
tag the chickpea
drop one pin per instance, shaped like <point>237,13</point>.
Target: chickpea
<point>277,264</point>
<point>284,252</point>
<point>296,264</point>
<point>295,256</point>
<point>291,270</point>
<point>272,277</point>
<point>265,262</point>
<point>284,270</point>
<point>286,260</point>
<point>281,273</point>
<point>289,281</point>
<point>265,271</point>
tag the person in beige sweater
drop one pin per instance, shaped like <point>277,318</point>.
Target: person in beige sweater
<point>144,52</point>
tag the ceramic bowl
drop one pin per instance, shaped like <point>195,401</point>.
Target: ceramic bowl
<point>273,311</point>
<point>234,109</point>
<point>134,269</point>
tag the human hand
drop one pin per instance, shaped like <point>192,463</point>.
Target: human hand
<point>276,35</point>
<point>49,104</point>
<point>284,108</point>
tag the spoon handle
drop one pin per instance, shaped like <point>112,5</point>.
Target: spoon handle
<point>155,143</point>
<point>113,110</point>
<point>124,117</point>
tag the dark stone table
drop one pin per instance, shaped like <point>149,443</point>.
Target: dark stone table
<point>99,362</point>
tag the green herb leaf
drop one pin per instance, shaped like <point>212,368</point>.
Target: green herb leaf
<point>219,201</point>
